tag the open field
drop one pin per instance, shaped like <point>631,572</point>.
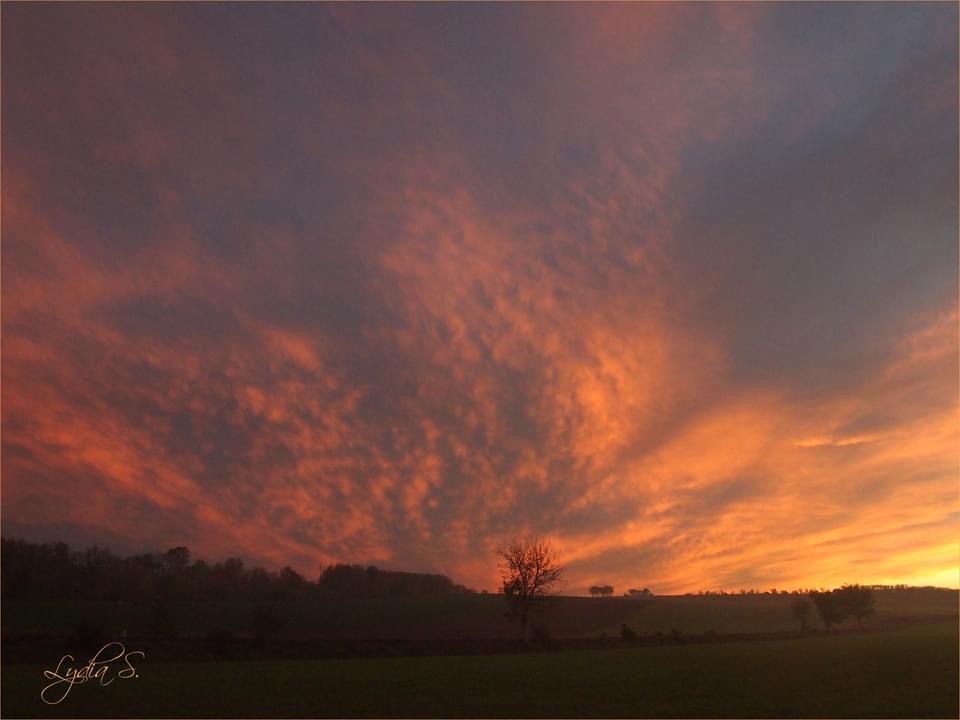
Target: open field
<point>465,615</point>
<point>910,672</point>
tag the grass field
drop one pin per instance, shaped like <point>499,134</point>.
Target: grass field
<point>910,672</point>
<point>465,615</point>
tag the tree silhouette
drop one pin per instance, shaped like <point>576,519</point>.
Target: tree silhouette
<point>601,590</point>
<point>835,606</point>
<point>529,571</point>
<point>830,607</point>
<point>858,601</point>
<point>801,611</point>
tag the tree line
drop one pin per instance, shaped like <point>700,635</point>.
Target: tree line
<point>607,591</point>
<point>53,570</point>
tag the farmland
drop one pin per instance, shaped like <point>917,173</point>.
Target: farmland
<point>463,615</point>
<point>903,664</point>
<point>908,672</point>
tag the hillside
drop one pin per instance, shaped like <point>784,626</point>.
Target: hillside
<point>464,615</point>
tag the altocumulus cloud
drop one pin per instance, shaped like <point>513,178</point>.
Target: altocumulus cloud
<point>672,284</point>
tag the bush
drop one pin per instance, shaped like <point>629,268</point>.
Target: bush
<point>858,601</point>
<point>627,633</point>
<point>836,606</point>
<point>830,608</point>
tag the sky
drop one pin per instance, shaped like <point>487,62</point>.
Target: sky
<point>672,285</point>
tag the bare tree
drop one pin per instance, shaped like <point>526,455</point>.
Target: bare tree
<point>529,572</point>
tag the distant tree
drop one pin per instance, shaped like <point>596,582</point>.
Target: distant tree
<point>857,601</point>
<point>31,571</point>
<point>529,572</point>
<point>627,633</point>
<point>228,577</point>
<point>606,590</point>
<point>801,611</point>
<point>830,607</point>
<point>634,592</point>
<point>835,606</point>
<point>176,559</point>
<point>360,581</point>
<point>292,584</point>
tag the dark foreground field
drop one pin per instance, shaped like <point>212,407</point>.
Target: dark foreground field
<point>908,672</point>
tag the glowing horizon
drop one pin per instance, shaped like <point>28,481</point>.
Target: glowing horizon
<point>674,285</point>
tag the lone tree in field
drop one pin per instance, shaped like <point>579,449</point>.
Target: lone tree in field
<point>529,572</point>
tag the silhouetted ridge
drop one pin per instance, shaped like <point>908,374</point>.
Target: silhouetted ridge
<point>53,571</point>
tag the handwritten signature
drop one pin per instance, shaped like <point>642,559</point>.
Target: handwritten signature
<point>99,667</point>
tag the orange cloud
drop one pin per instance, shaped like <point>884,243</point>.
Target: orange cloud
<point>412,300</point>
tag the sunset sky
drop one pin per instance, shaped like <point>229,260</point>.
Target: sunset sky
<point>674,285</point>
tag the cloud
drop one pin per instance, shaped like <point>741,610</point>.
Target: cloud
<point>674,286</point>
